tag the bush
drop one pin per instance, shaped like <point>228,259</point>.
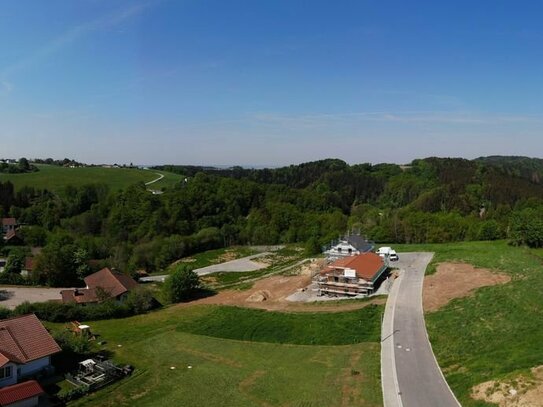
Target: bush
<point>140,300</point>
<point>181,285</point>
<point>72,394</point>
<point>61,312</point>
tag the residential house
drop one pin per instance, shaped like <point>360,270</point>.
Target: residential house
<point>25,394</point>
<point>100,285</point>
<point>13,238</point>
<point>349,245</point>
<point>28,267</point>
<point>25,349</point>
<point>352,276</point>
<point>8,225</point>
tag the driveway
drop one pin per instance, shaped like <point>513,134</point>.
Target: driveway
<point>411,376</point>
<point>10,297</point>
<point>243,264</point>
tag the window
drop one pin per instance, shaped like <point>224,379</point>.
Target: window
<point>5,372</point>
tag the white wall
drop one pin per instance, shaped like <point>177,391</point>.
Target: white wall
<point>31,402</point>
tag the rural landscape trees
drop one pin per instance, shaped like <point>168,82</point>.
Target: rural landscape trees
<point>86,226</point>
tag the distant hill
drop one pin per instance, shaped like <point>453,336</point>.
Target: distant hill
<point>522,167</point>
<point>52,177</point>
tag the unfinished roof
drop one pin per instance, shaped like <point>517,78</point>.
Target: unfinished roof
<point>366,265</point>
<point>24,339</point>
<point>19,392</point>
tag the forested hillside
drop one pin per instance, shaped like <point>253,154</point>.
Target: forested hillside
<point>432,200</point>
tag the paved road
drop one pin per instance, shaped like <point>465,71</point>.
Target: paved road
<point>160,176</point>
<point>10,297</point>
<point>410,373</point>
<point>243,264</point>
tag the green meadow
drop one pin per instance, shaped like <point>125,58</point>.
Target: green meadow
<point>243,357</point>
<point>497,332</point>
<point>53,177</point>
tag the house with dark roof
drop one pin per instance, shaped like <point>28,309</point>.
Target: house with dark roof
<point>25,349</point>
<point>348,245</point>
<point>352,276</point>
<point>103,284</point>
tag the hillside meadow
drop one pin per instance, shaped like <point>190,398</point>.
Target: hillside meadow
<point>242,357</point>
<point>495,333</point>
<point>53,178</point>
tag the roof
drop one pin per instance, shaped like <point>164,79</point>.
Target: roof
<point>80,295</point>
<point>24,339</point>
<point>112,282</point>
<point>366,265</point>
<point>9,222</point>
<point>20,392</point>
<point>360,243</point>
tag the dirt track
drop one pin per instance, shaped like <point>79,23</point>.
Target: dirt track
<point>456,280</point>
<point>271,293</point>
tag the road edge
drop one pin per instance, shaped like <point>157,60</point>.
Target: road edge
<point>391,391</point>
<point>428,337</point>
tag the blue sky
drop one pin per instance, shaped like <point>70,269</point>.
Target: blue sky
<point>269,82</point>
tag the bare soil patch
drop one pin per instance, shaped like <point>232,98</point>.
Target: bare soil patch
<point>522,391</point>
<point>270,294</point>
<point>456,280</point>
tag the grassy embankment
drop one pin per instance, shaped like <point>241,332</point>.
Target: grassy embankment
<point>53,177</point>
<point>497,332</point>
<point>244,357</point>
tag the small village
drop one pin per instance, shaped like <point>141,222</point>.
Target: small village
<point>348,268</point>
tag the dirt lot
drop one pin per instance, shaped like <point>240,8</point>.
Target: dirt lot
<point>523,391</point>
<point>456,280</point>
<point>271,293</point>
<point>10,297</point>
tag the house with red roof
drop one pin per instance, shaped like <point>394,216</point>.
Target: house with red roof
<point>103,284</point>
<point>25,394</point>
<point>25,349</point>
<point>8,224</point>
<point>352,276</point>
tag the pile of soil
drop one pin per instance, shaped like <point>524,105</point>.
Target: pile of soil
<point>456,280</point>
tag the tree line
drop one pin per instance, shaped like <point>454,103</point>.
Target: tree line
<point>431,200</point>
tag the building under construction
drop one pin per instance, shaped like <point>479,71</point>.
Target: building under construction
<point>352,276</point>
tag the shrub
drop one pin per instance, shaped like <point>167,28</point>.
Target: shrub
<point>182,284</point>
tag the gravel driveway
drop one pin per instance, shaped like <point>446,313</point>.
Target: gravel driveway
<point>10,297</point>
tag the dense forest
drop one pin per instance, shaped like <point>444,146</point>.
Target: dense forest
<point>431,200</point>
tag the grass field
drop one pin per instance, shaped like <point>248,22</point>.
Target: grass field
<point>54,178</point>
<point>243,357</point>
<point>498,331</point>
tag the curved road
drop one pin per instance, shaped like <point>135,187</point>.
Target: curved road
<point>160,176</point>
<point>410,374</point>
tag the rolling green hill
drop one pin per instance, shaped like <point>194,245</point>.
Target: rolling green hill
<point>53,177</point>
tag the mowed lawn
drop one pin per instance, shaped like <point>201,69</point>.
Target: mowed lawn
<point>261,361</point>
<point>53,178</point>
<point>497,332</point>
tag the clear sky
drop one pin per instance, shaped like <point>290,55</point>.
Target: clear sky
<point>270,82</point>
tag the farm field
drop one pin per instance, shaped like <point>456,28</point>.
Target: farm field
<point>242,357</point>
<point>53,178</point>
<point>494,334</point>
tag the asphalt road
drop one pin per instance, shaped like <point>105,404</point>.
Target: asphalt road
<point>233,266</point>
<point>410,373</point>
